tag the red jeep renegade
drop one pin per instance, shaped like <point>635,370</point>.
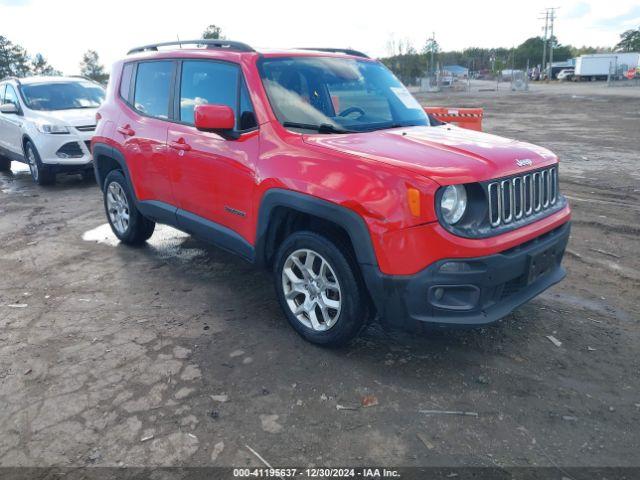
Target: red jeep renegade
<point>321,166</point>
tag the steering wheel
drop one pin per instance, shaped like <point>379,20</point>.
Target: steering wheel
<point>351,110</point>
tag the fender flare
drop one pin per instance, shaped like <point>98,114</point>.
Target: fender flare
<point>103,150</point>
<point>26,138</point>
<point>346,218</point>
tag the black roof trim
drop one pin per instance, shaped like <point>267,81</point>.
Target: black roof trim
<point>211,44</point>
<point>346,51</point>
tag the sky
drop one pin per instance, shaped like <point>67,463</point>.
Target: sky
<point>62,30</point>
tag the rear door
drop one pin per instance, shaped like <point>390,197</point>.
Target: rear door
<point>142,130</point>
<point>214,176</point>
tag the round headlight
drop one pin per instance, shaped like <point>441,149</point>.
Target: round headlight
<point>453,203</point>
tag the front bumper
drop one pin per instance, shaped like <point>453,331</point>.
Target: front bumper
<point>50,148</point>
<point>470,291</point>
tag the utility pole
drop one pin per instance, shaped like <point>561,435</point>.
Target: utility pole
<point>543,67</point>
<point>432,47</point>
<point>551,44</point>
<point>549,17</point>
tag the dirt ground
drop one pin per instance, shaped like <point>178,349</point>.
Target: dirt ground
<point>177,354</point>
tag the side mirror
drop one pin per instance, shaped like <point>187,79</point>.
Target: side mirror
<point>219,119</point>
<point>8,108</point>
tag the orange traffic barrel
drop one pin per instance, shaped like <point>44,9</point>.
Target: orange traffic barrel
<point>470,118</point>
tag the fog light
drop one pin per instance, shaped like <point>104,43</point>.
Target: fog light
<point>454,297</point>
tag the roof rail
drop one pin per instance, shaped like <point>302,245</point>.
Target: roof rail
<point>10,77</point>
<point>222,44</point>
<point>346,51</point>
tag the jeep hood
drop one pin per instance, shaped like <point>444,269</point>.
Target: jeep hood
<point>447,154</point>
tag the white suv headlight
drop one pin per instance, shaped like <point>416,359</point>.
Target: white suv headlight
<point>453,203</point>
<point>53,129</point>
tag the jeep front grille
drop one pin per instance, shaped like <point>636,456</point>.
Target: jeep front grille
<point>522,196</point>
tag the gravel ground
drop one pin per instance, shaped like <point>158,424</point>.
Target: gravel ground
<point>177,354</point>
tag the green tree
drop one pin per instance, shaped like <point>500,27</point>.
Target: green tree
<point>14,59</point>
<point>586,50</point>
<point>40,66</point>
<point>629,41</point>
<point>91,67</point>
<point>213,32</point>
<point>6,57</point>
<point>531,50</point>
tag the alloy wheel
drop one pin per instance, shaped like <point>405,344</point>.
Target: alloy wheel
<point>311,289</point>
<point>118,207</point>
<point>33,166</point>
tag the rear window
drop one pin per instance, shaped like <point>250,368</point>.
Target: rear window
<point>125,83</point>
<point>153,81</point>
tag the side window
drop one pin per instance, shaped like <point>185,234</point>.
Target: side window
<point>205,82</point>
<point>247,117</point>
<point>1,94</point>
<point>10,96</point>
<point>151,95</point>
<point>125,83</point>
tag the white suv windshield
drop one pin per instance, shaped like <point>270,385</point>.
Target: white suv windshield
<point>62,95</point>
<point>334,95</point>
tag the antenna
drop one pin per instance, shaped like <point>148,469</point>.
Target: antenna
<point>179,43</point>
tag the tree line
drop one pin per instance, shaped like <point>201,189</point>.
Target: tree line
<point>15,61</point>
<point>408,64</point>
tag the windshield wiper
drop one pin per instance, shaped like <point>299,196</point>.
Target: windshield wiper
<point>322,128</point>
<point>388,126</point>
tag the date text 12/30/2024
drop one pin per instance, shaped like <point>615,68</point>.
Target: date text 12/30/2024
<point>315,473</point>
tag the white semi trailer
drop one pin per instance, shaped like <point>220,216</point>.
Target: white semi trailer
<point>599,66</point>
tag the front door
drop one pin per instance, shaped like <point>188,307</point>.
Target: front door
<point>11,124</point>
<point>213,177</point>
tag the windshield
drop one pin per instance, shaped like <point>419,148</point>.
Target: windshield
<point>62,95</point>
<point>337,95</point>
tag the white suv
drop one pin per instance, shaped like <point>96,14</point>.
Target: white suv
<point>48,123</point>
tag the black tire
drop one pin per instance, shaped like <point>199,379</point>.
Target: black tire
<point>139,228</point>
<point>353,314</point>
<point>5,164</point>
<point>40,173</point>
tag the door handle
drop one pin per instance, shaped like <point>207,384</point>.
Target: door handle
<point>126,131</point>
<point>180,145</point>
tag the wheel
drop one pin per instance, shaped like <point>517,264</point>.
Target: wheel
<point>39,172</point>
<point>5,164</point>
<point>88,175</point>
<point>127,223</point>
<point>319,290</point>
